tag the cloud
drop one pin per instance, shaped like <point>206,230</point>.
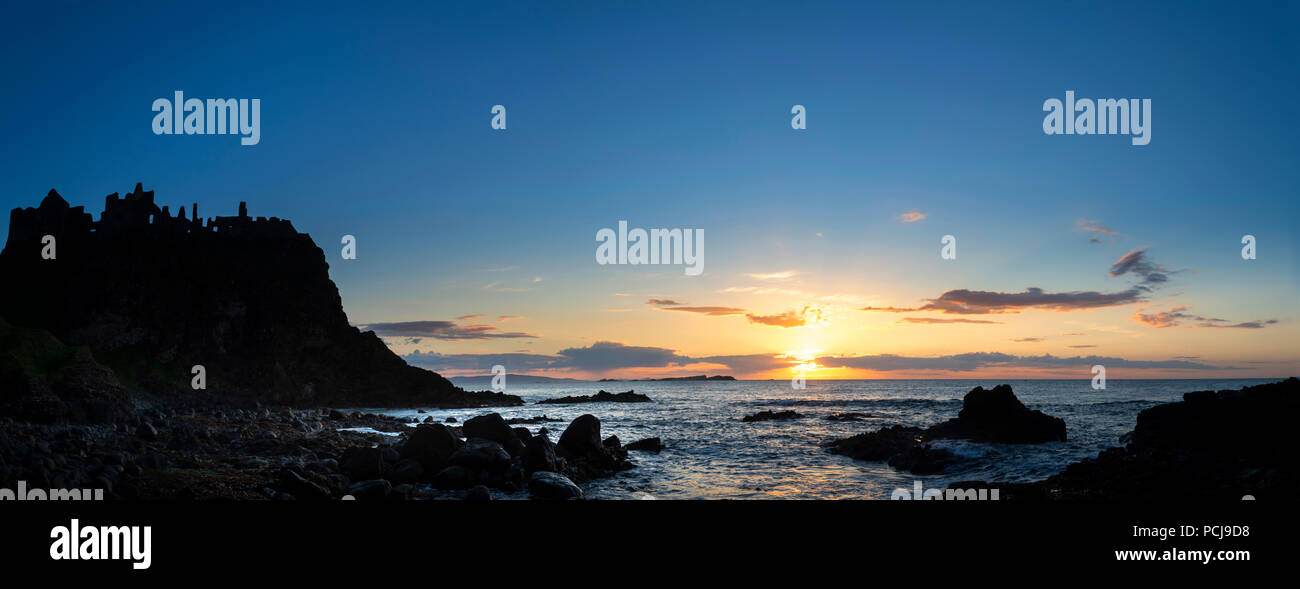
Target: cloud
<point>712,311</point>
<point>942,320</point>
<point>976,360</point>
<point>662,302</point>
<point>773,275</point>
<point>445,330</point>
<point>911,216</point>
<point>513,361</point>
<point>602,356</point>
<point>605,356</point>
<point>1139,264</point>
<point>1095,228</point>
<point>1027,339</point>
<point>809,315</point>
<point>889,309</point>
<point>1083,346</point>
<point>980,302</point>
<point>1179,316</point>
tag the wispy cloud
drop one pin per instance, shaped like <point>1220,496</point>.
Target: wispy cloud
<point>1179,316</point>
<point>911,216</point>
<point>445,330</point>
<point>943,320</point>
<point>1139,264</point>
<point>1096,229</point>
<point>773,275</point>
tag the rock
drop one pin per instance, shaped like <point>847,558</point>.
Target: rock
<point>549,485</point>
<point>452,477</point>
<point>431,445</point>
<point>585,456</point>
<point>406,471</point>
<point>294,484</point>
<point>647,445</point>
<point>879,445</point>
<point>539,455</point>
<point>600,397</point>
<point>582,436</point>
<point>481,454</point>
<point>770,415</point>
<point>478,493</point>
<point>522,433</point>
<point>922,459</point>
<point>362,464</point>
<point>147,432</point>
<point>450,420</point>
<point>375,490</point>
<point>489,427</point>
<point>612,442</point>
<point>1211,446</point>
<point>997,416</point>
<point>849,416</point>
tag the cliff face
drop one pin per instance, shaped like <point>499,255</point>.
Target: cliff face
<point>151,295</point>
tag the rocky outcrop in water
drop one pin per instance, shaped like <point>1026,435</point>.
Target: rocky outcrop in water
<point>994,416</point>
<point>151,294</point>
<point>1209,446</point>
<point>771,416</point>
<point>600,397</point>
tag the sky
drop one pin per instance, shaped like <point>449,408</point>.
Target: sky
<point>477,246</point>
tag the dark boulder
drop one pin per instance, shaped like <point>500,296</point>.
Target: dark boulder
<point>550,485</point>
<point>478,493</point>
<point>480,454</point>
<point>431,445</point>
<point>539,455</point>
<point>997,416</point>
<point>452,477</point>
<point>771,415</point>
<point>586,457</point>
<point>362,464</point>
<point>375,490</point>
<point>489,427</point>
<point>406,471</point>
<point>647,445</point>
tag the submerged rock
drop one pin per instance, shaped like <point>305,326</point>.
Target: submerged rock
<point>771,415</point>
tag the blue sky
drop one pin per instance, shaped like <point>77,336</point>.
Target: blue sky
<point>375,122</point>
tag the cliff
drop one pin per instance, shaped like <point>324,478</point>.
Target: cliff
<point>151,295</point>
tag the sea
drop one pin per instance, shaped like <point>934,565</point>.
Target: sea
<point>710,453</point>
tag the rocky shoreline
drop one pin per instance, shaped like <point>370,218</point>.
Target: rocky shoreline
<point>306,454</point>
<point>1212,445</point>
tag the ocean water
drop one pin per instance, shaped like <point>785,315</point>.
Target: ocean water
<point>711,454</point>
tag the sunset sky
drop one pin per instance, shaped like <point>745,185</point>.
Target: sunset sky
<point>821,246</point>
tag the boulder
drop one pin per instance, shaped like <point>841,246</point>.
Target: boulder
<point>554,486</point>
<point>431,445</point>
<point>997,416</point>
<point>771,415</point>
<point>647,445</point>
<point>489,427</point>
<point>362,464</point>
<point>539,455</point>
<point>481,454</point>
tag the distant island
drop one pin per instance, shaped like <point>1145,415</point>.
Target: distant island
<point>671,378</point>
